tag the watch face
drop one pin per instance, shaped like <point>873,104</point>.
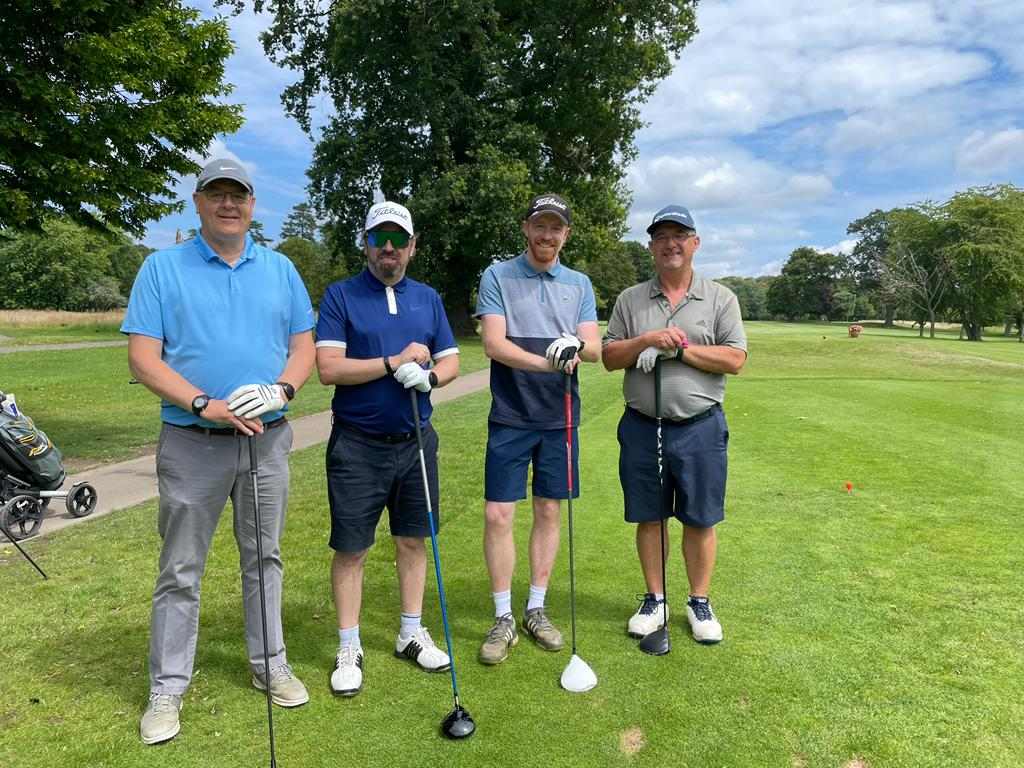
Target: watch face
<point>199,403</point>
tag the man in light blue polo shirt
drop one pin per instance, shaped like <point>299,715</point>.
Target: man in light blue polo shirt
<point>375,334</point>
<point>220,329</point>
<point>538,320</point>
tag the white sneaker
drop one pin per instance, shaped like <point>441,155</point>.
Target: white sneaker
<point>703,624</point>
<point>650,616</point>
<point>160,720</point>
<point>347,677</point>
<point>420,647</point>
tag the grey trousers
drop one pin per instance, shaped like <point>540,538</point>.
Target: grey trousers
<point>197,474</point>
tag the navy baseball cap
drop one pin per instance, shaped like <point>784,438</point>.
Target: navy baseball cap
<point>550,203</point>
<point>224,168</point>
<point>675,214</point>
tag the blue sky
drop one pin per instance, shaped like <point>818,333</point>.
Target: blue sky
<point>780,124</point>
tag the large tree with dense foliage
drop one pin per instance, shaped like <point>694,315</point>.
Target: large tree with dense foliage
<point>806,286</point>
<point>101,102</point>
<point>916,266</point>
<point>463,110</point>
<point>752,294</point>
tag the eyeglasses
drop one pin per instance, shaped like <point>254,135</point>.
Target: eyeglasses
<point>675,237</point>
<point>238,198</point>
<point>377,239</point>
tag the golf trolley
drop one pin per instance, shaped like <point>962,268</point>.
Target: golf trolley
<point>31,471</point>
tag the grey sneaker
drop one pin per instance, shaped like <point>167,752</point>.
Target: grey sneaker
<point>160,720</point>
<point>500,638</point>
<point>539,627</point>
<point>286,690</point>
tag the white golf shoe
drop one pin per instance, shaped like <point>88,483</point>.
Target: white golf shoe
<point>420,647</point>
<point>347,677</point>
<point>703,624</point>
<point>649,617</point>
<point>160,721</point>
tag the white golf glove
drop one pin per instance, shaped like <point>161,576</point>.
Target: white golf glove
<point>645,360</point>
<point>252,400</point>
<point>411,375</point>
<point>562,351</point>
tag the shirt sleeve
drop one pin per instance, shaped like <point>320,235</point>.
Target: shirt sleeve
<point>302,308</point>
<point>617,329</point>
<point>729,331</point>
<point>144,315</point>
<point>488,297</point>
<point>330,326</point>
<point>588,307</point>
<point>444,340</point>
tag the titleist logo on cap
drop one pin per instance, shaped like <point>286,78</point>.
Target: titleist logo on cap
<point>549,201</point>
<point>390,210</point>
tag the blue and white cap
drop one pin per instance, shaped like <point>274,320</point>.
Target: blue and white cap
<point>388,211</point>
<point>672,213</point>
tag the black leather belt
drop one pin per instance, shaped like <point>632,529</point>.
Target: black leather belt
<point>676,422</point>
<point>380,437</point>
<point>227,430</point>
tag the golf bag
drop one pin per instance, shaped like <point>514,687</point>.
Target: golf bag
<point>31,471</point>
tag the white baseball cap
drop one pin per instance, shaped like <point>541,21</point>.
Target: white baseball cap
<point>393,212</point>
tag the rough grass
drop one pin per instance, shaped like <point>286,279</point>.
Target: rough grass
<point>878,628</point>
<point>32,327</point>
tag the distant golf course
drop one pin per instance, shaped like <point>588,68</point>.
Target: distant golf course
<point>876,628</point>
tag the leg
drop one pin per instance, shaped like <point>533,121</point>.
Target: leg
<point>648,543</point>
<point>195,475</point>
<point>499,545</point>
<point>699,548</point>
<point>411,556</point>
<point>505,469</point>
<point>347,586</point>
<point>544,539</point>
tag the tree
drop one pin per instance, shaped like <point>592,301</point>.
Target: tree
<point>916,266</point>
<point>301,222</point>
<point>611,271</point>
<point>101,103</point>
<point>463,110</point>
<point>985,252</point>
<point>643,262</point>
<point>752,294</point>
<point>806,286</point>
<point>257,234</point>
<point>865,264</point>
<point>313,264</point>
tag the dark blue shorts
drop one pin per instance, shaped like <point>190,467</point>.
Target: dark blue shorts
<point>510,450</point>
<point>694,468</point>
<point>365,475</point>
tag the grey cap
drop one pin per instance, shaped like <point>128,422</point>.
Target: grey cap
<point>672,213</point>
<point>224,168</point>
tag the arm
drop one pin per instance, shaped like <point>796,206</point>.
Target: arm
<point>147,365</point>
<point>334,367</point>
<point>715,358</point>
<point>498,347</point>
<point>624,352</point>
<point>446,369</point>
<point>301,355</point>
<point>590,335</point>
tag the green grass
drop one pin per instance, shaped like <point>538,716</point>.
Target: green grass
<point>82,399</point>
<point>55,334</point>
<point>882,626</point>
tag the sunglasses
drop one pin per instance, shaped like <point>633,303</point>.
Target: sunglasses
<point>377,239</point>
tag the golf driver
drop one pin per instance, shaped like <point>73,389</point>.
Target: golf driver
<point>14,541</point>
<point>458,724</point>
<point>254,477</point>
<point>577,677</point>
<point>658,642</point>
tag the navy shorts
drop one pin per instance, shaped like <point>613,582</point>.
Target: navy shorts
<point>510,450</point>
<point>366,474</point>
<point>694,468</point>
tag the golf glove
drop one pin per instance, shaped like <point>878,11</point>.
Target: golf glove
<point>563,351</point>
<point>411,375</point>
<point>645,360</point>
<point>252,400</point>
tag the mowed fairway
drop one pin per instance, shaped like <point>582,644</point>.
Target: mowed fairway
<point>878,628</point>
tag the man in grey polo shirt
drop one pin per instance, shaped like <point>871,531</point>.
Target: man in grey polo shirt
<point>694,326</point>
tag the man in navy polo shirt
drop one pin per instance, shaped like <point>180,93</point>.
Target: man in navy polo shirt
<point>220,329</point>
<point>375,334</point>
<point>538,320</point>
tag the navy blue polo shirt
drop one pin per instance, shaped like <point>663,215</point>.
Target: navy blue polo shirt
<point>371,320</point>
<point>538,307</point>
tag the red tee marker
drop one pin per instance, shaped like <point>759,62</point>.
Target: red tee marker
<point>849,487</point>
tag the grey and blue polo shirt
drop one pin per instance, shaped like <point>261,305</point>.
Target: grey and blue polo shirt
<point>538,307</point>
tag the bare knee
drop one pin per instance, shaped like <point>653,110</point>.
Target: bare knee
<point>547,513</point>
<point>499,515</point>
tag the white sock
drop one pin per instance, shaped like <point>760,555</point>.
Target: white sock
<point>536,597</point>
<point>349,636</point>
<point>502,603</point>
<point>410,623</point>
<point>659,596</point>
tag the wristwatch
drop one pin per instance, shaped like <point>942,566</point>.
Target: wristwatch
<point>387,366</point>
<point>289,390</point>
<point>432,378</point>
<point>199,404</point>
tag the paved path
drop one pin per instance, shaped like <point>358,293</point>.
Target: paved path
<point>68,345</point>
<point>128,483</point>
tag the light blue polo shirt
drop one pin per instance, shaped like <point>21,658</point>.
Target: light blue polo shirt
<point>538,307</point>
<point>221,326</point>
<point>370,320</point>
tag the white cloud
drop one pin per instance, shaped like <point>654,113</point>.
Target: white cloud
<point>842,248</point>
<point>991,153</point>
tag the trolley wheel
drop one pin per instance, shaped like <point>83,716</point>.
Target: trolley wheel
<point>81,500</point>
<point>21,516</point>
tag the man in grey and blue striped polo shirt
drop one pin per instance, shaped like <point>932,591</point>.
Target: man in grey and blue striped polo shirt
<point>538,321</point>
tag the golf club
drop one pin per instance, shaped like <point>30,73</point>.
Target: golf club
<point>254,477</point>
<point>458,724</point>
<point>24,554</point>
<point>658,642</point>
<point>577,677</point>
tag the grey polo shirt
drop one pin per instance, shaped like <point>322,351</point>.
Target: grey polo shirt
<point>709,315</point>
